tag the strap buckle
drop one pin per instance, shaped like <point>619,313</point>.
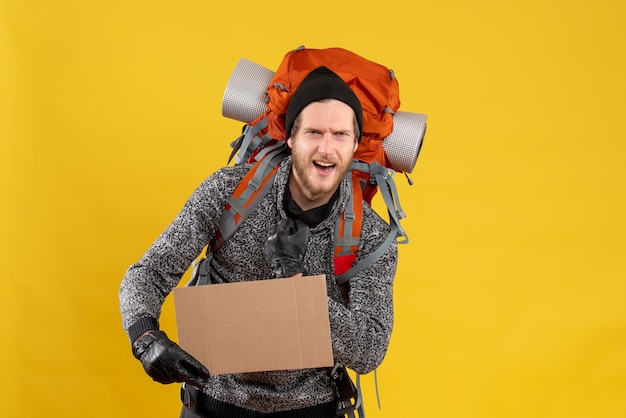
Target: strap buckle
<point>349,396</point>
<point>187,397</point>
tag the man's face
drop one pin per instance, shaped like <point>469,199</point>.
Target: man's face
<point>322,151</point>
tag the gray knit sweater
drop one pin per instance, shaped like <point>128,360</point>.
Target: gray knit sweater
<point>360,330</point>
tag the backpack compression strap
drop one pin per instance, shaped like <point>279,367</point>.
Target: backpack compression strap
<point>254,136</point>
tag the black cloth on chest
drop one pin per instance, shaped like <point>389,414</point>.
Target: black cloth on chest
<point>311,217</point>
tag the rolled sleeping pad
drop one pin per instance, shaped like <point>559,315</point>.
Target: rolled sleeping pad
<point>245,96</point>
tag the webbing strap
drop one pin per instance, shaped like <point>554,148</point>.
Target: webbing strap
<point>278,145</point>
<point>369,260</point>
<point>358,406</point>
<point>250,190</point>
<point>200,272</point>
<point>389,193</point>
<point>349,224</point>
<point>384,179</point>
<point>346,224</point>
<point>249,141</point>
<point>360,392</point>
<point>350,396</point>
<point>376,386</point>
<point>347,242</point>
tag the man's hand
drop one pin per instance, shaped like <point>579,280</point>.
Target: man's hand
<point>166,362</point>
<point>285,248</point>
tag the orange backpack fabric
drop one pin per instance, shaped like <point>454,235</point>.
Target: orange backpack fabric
<point>375,85</point>
<point>263,142</point>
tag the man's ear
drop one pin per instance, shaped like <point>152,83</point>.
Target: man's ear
<point>290,143</point>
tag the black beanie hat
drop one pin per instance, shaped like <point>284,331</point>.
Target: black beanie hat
<point>319,84</point>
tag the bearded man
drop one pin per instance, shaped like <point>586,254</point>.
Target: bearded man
<point>309,193</point>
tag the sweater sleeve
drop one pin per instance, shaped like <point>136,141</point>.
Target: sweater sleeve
<point>361,331</point>
<point>147,282</point>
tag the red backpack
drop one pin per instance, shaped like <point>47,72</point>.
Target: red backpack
<point>259,97</point>
<point>263,143</point>
<point>375,86</point>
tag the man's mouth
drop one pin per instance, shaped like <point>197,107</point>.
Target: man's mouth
<point>323,166</point>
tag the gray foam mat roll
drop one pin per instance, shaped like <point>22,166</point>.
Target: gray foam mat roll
<point>245,99</point>
<point>403,144</point>
<point>244,96</point>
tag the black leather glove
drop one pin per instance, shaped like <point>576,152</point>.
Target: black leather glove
<point>166,362</point>
<point>285,248</point>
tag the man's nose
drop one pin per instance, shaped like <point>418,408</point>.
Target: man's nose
<point>326,146</point>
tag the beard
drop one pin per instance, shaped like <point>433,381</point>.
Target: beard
<point>313,186</point>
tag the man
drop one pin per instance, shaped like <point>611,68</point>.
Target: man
<point>324,119</point>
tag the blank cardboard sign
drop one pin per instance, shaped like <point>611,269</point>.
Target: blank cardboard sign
<point>261,325</point>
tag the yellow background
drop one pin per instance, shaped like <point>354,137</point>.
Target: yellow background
<point>510,296</point>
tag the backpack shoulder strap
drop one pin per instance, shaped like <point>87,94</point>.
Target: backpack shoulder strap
<point>250,190</point>
<point>383,177</point>
<point>348,229</point>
